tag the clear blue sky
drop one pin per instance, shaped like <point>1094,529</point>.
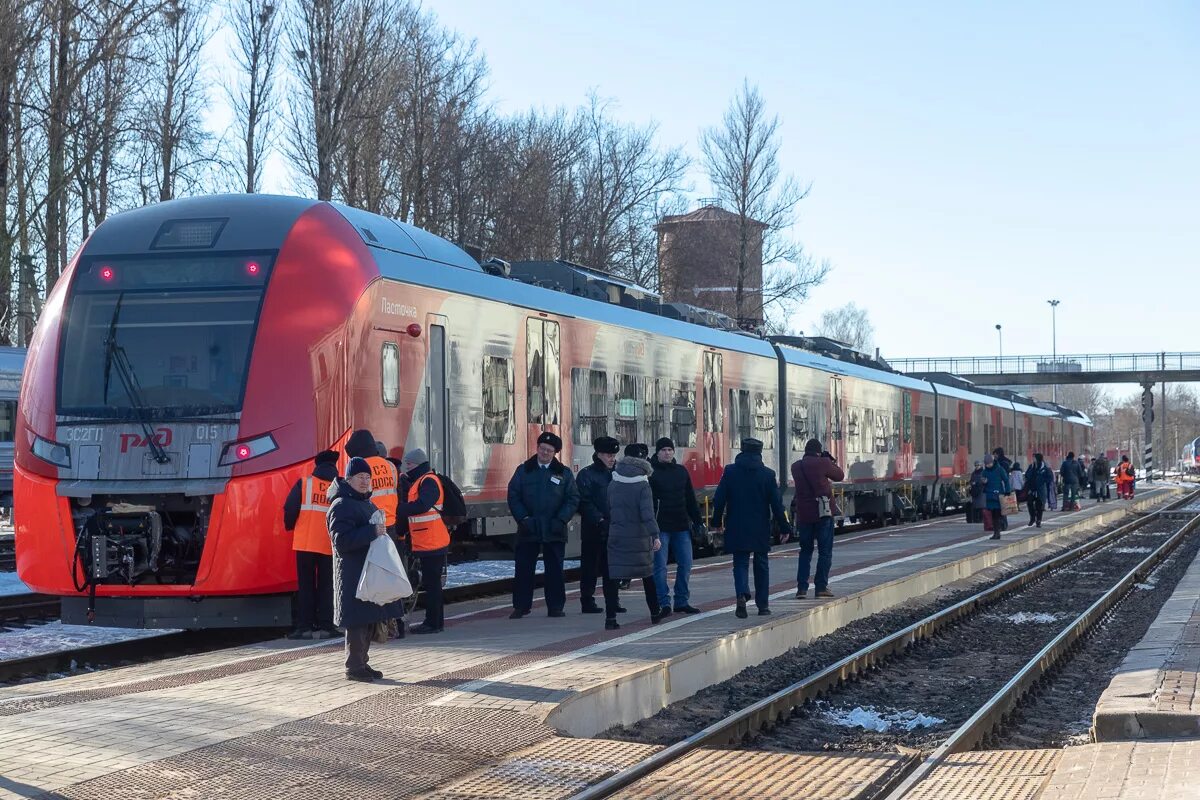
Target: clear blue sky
<point>968,161</point>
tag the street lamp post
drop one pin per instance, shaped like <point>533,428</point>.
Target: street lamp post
<point>1000,334</point>
<point>1054,340</point>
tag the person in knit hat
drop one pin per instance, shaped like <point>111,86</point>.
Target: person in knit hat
<point>420,508</point>
<point>677,514</point>
<point>593,483</point>
<point>542,498</point>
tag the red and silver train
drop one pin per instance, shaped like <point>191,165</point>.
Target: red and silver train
<point>196,354</point>
<point>1189,460</point>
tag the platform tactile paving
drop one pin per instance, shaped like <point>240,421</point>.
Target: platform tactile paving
<point>1128,771</point>
<point>725,774</point>
<point>990,775</point>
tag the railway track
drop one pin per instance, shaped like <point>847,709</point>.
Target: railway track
<point>886,657</point>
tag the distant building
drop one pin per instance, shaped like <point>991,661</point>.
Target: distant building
<point>698,262</point>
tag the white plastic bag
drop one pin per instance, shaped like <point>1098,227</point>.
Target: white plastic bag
<point>384,579</point>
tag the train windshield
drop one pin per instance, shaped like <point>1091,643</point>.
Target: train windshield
<point>160,338</point>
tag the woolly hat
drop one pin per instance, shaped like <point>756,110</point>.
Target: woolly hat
<point>356,466</point>
<point>552,440</point>
<point>607,444</point>
<point>663,442</point>
<point>416,456</point>
<point>637,450</point>
<point>752,446</point>
<point>326,457</point>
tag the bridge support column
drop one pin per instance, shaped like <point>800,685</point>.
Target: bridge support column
<point>1148,423</point>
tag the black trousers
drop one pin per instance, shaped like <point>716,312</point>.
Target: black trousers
<point>1036,507</point>
<point>314,596</point>
<point>358,643</point>
<point>612,596</point>
<point>431,585</point>
<point>593,551</point>
<point>526,566</point>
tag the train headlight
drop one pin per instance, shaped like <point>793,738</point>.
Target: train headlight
<point>52,452</point>
<point>246,449</point>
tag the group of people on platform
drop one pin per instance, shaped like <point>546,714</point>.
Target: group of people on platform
<point>1037,486</point>
<point>334,519</point>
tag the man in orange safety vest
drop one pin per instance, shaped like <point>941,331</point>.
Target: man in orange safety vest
<point>427,533</point>
<point>304,515</point>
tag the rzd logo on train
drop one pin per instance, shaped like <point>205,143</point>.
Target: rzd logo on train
<point>162,437</point>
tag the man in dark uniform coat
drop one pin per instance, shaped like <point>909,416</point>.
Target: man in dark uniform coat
<point>593,481</point>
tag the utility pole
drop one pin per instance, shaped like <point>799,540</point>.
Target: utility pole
<point>1000,333</point>
<point>1054,340</point>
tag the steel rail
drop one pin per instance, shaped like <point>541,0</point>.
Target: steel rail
<point>973,732</point>
<point>776,707</point>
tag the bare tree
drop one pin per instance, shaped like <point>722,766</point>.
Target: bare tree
<point>848,324</point>
<point>741,156</point>
<point>256,30</point>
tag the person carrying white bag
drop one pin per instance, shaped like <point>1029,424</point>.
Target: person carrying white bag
<point>361,545</point>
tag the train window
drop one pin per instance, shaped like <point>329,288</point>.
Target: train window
<point>8,419</point>
<point>498,411</point>
<point>589,394</point>
<point>853,430</point>
<point>944,430</point>
<point>954,425</point>
<point>918,435</point>
<point>714,415</point>
<point>654,410</point>
<point>626,410</point>
<point>541,363</point>
<point>970,432</point>
<point>929,440</point>
<point>896,432</point>
<point>390,374</point>
<point>683,414</point>
<point>800,427</point>
<point>764,419</point>
<point>883,438</point>
<point>741,421</point>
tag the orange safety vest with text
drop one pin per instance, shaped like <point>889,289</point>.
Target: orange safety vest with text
<point>312,532</point>
<point>384,481</point>
<point>427,531</point>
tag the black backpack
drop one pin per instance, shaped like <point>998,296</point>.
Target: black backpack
<point>454,506</point>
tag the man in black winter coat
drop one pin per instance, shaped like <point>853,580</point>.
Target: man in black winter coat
<point>593,481</point>
<point>542,498</point>
<point>748,496</point>
<point>676,512</point>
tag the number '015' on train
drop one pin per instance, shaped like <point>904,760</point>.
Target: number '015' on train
<point>196,354</point>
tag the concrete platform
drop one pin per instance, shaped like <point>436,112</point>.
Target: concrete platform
<point>279,721</point>
<point>1155,694</point>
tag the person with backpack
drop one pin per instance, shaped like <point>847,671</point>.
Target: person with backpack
<point>593,481</point>
<point>1125,479</point>
<point>996,483</point>
<point>813,511</point>
<point>978,496</point>
<point>633,535</point>
<point>676,512</point>
<point>1100,477</point>
<point>304,513</point>
<point>542,498</point>
<point>1072,478</point>
<point>427,533</point>
<point>1039,484</point>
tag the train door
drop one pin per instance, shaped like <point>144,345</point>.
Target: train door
<point>437,397</point>
<point>837,438</point>
<point>714,417</point>
<point>542,371</point>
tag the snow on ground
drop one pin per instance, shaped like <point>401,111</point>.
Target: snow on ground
<point>1025,617</point>
<point>11,584</point>
<point>55,637</point>
<point>1132,549</point>
<point>872,719</point>
<point>1145,586</point>
<point>480,571</point>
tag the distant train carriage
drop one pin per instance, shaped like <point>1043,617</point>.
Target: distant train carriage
<point>12,364</point>
<point>196,354</point>
<point>1189,460</point>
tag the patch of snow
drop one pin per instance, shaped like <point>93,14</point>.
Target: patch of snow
<point>871,719</point>
<point>1146,586</point>
<point>1132,549</point>
<point>1026,617</point>
<point>11,584</point>
<point>55,637</point>
<point>480,571</point>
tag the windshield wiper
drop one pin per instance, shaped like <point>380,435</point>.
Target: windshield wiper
<point>114,354</point>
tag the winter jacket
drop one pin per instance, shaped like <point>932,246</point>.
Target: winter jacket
<point>1072,472</point>
<point>995,484</point>
<point>592,482</point>
<point>632,529</point>
<point>350,528</point>
<point>749,493</point>
<point>675,506</point>
<point>978,495</point>
<point>542,501</point>
<point>1039,481</point>
<point>813,476</point>
<point>1100,469</point>
<point>427,497</point>
<point>291,505</point>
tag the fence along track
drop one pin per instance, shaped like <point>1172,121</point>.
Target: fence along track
<point>778,706</point>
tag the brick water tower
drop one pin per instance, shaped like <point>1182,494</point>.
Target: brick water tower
<point>698,262</point>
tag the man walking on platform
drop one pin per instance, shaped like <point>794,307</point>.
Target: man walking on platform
<point>676,512</point>
<point>748,494</point>
<point>427,533</point>
<point>593,481</point>
<point>814,476</point>
<point>542,498</point>
<point>304,513</point>
<point>1072,478</point>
